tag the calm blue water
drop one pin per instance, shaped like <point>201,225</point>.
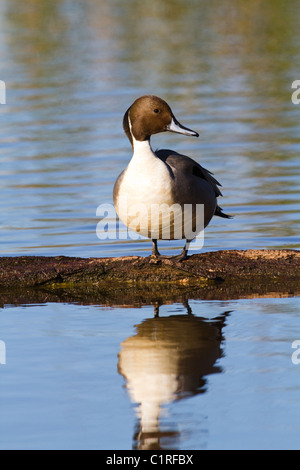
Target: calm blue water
<point>71,70</point>
<point>73,373</point>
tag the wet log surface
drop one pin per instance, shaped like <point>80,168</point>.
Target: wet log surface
<point>137,281</point>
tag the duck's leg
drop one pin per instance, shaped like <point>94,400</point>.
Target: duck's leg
<point>182,256</point>
<point>155,251</point>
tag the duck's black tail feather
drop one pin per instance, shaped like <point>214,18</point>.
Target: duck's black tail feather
<point>219,213</point>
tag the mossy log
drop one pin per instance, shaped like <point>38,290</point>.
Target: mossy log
<point>137,280</point>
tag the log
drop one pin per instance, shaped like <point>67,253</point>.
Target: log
<point>136,280</point>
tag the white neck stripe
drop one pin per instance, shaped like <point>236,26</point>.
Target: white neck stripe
<point>139,145</point>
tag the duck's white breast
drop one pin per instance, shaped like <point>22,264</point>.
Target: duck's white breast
<point>146,184</point>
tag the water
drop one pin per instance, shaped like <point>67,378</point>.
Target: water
<point>71,70</point>
<point>93,377</point>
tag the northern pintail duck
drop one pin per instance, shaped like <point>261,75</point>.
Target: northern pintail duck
<point>159,190</point>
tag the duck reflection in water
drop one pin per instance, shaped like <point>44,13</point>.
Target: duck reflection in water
<point>167,360</point>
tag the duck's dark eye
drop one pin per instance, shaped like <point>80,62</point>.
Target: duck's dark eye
<point>156,110</point>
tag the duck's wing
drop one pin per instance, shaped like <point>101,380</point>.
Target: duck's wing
<point>181,163</point>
